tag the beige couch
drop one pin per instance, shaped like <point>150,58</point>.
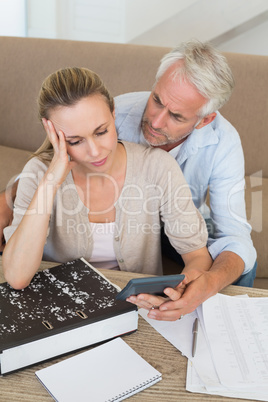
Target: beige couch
<point>25,62</point>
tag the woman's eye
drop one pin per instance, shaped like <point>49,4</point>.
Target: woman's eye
<point>74,143</point>
<point>102,132</point>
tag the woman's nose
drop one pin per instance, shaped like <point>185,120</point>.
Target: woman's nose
<point>93,148</point>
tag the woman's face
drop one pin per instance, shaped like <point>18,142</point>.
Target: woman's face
<point>89,131</point>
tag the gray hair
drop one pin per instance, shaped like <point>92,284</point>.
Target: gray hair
<point>205,68</point>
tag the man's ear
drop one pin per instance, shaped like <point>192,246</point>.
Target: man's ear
<point>206,120</point>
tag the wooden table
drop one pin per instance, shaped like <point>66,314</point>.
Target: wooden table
<point>23,385</point>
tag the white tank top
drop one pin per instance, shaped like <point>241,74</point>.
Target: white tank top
<point>103,255</point>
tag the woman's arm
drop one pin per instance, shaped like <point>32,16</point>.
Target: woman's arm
<point>7,198</point>
<point>24,250</point>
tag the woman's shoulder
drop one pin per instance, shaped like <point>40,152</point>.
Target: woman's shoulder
<point>154,165</point>
<point>150,154</point>
<point>35,164</point>
<point>32,172</point>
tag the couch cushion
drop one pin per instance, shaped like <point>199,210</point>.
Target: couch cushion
<point>257,214</point>
<point>12,161</point>
<point>261,283</point>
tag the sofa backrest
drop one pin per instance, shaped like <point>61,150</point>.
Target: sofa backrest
<point>25,62</point>
<point>247,109</point>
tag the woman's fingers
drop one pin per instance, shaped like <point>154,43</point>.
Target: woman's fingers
<point>51,133</point>
<point>62,148</point>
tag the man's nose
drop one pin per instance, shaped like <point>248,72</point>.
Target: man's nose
<point>159,119</point>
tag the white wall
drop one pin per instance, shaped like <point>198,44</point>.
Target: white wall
<point>143,15</point>
<point>92,20</point>
<point>13,18</point>
<point>104,20</point>
<point>254,41</point>
<point>211,20</point>
<point>42,18</point>
<point>149,22</point>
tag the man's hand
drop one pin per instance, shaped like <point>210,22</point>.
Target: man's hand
<point>195,293</point>
<point>179,301</point>
<point>196,288</point>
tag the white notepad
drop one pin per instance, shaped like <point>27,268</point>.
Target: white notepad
<point>110,372</point>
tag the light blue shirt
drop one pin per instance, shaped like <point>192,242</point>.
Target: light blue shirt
<point>211,158</point>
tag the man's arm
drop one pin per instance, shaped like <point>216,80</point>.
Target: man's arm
<point>6,209</point>
<point>232,241</point>
<point>226,269</point>
<point>227,205</point>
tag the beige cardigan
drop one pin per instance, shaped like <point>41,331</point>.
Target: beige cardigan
<point>154,193</point>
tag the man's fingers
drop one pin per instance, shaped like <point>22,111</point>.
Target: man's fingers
<point>146,301</point>
<point>174,294</point>
<point>170,315</point>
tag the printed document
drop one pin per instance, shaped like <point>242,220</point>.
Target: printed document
<point>232,346</point>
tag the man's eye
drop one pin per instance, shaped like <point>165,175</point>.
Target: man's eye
<point>157,100</point>
<point>177,118</point>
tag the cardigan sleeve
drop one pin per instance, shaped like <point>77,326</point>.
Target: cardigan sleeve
<point>29,179</point>
<point>183,224</point>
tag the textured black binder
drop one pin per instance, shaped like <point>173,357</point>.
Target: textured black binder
<point>65,308</point>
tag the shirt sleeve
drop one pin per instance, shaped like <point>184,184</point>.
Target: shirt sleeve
<point>29,179</point>
<point>227,204</point>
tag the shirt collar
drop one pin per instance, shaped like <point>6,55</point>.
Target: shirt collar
<point>199,138</point>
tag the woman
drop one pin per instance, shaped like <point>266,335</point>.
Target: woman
<point>86,194</point>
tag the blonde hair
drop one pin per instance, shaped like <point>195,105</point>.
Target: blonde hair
<point>66,87</point>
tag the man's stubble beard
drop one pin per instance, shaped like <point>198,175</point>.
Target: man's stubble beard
<point>167,141</point>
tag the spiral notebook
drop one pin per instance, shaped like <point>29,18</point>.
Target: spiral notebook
<point>110,372</point>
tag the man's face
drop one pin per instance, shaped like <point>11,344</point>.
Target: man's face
<point>171,112</point>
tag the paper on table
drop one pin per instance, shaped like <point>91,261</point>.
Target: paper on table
<point>248,314</point>
<point>239,321</point>
<point>176,332</point>
<point>194,384</point>
<point>202,376</point>
<point>237,330</point>
<point>179,334</point>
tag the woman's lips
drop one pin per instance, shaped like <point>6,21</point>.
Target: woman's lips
<point>99,163</point>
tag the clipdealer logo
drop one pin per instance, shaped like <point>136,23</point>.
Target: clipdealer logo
<point>254,207</point>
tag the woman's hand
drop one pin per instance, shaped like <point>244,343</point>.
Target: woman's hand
<point>60,165</point>
<point>24,250</point>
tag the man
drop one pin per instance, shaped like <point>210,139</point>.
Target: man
<point>180,116</point>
